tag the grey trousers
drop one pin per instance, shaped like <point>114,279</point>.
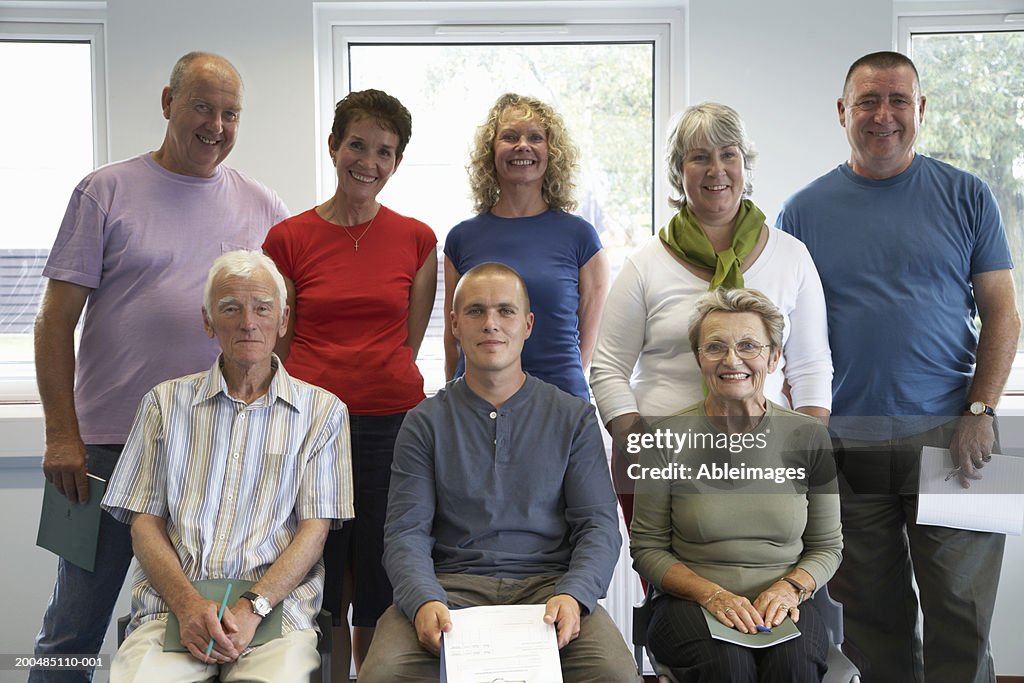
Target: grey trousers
<point>957,573</point>
<point>598,655</point>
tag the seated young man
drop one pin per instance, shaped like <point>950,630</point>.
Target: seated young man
<point>500,494</point>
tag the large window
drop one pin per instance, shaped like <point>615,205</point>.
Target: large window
<point>972,72</point>
<point>52,131</point>
<point>608,78</point>
<point>607,67</point>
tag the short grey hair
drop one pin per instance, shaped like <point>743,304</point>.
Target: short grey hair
<point>185,62</point>
<point>707,123</point>
<point>723,300</point>
<point>243,263</point>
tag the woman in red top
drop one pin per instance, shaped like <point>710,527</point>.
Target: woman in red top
<point>361,281</point>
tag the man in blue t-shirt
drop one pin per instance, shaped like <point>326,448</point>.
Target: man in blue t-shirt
<point>910,250</point>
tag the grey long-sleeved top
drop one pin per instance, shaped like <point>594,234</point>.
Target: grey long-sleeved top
<point>512,492</point>
<point>742,534</point>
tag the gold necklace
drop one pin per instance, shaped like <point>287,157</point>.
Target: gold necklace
<point>368,226</point>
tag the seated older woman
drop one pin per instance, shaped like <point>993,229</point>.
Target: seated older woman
<point>747,524</point>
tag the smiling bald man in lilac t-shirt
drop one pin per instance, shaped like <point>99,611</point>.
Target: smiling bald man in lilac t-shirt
<point>133,251</point>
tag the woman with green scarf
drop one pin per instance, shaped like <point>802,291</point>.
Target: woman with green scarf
<point>718,238</point>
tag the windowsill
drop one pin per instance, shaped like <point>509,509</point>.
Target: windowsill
<point>21,427</point>
<point>21,431</point>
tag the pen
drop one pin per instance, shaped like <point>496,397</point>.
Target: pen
<point>952,473</point>
<point>763,629</point>
<point>220,615</point>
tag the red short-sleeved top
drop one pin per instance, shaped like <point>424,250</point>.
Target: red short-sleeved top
<point>352,307</point>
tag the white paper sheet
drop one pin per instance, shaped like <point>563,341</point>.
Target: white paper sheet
<point>500,644</point>
<point>993,503</point>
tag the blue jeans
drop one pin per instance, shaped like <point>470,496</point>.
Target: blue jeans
<point>78,615</point>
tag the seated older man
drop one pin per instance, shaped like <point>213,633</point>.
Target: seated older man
<point>235,473</point>
<point>500,494</point>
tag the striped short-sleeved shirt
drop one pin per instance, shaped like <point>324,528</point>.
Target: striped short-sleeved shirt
<point>233,480</point>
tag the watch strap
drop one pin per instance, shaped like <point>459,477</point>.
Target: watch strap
<point>798,586</point>
<point>986,409</point>
<point>253,598</point>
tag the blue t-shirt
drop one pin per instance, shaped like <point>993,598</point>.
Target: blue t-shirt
<point>547,251</point>
<point>896,257</point>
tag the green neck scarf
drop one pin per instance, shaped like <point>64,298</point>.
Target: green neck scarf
<point>684,236</point>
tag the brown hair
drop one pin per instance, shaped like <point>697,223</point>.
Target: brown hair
<point>384,109</point>
<point>882,60</point>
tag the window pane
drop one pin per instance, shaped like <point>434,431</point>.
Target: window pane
<point>46,132</point>
<point>975,117</point>
<point>603,91</point>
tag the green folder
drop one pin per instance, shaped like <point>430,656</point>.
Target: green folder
<point>213,589</point>
<point>71,529</point>
<point>787,630</point>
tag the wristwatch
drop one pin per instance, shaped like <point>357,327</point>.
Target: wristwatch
<point>801,589</point>
<point>981,408</point>
<point>260,605</point>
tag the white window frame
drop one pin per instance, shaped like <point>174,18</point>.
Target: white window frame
<point>660,22</point>
<point>914,18</point>
<point>58,22</point>
<point>81,24</point>
<point>337,25</point>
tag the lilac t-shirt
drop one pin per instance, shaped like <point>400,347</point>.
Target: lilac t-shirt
<point>143,238</point>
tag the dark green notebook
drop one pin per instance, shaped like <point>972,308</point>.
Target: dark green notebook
<point>213,589</point>
<point>71,529</point>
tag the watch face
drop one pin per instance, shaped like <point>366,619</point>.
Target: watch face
<point>261,606</point>
<point>979,408</point>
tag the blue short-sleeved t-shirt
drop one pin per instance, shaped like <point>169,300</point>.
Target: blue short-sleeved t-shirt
<point>547,251</point>
<point>896,259</point>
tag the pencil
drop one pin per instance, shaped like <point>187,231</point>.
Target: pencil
<point>220,615</point>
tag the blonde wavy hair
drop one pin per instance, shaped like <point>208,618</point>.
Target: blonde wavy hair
<point>559,184</point>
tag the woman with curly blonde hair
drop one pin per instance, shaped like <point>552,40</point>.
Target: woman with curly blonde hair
<point>521,174</point>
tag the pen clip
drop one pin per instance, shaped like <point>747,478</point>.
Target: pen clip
<point>952,473</point>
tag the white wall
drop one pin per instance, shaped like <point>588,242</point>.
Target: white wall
<point>779,63</point>
<point>270,42</point>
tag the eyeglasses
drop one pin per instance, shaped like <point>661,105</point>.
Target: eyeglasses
<point>747,349</point>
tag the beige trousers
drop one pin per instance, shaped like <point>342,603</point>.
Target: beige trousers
<point>288,659</point>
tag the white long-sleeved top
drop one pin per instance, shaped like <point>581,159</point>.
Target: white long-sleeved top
<point>643,361</point>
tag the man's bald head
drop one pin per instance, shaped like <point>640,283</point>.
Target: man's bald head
<point>493,269</point>
<point>193,62</point>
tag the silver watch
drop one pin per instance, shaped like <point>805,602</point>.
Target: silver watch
<point>260,605</point>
